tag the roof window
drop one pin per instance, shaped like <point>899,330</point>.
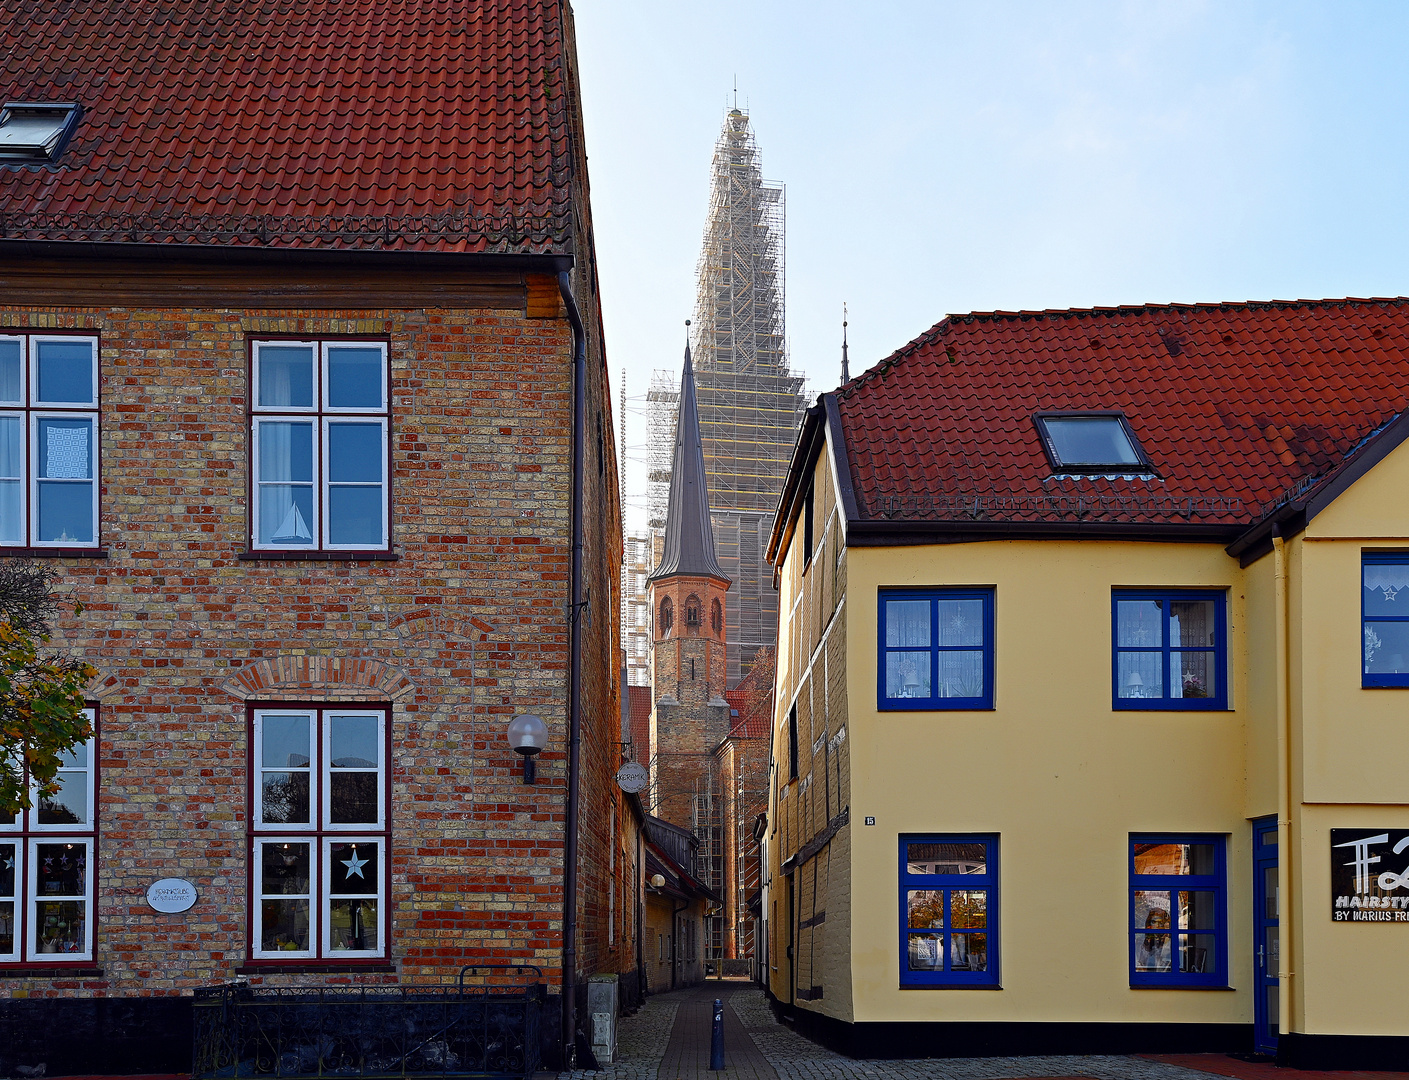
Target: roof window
<point>36,131</point>
<point>1096,442</point>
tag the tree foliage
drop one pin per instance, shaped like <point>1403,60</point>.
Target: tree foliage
<point>41,691</point>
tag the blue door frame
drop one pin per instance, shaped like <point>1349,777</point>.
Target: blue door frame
<point>1266,946</point>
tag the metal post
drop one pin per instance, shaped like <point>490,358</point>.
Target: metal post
<point>716,1037</point>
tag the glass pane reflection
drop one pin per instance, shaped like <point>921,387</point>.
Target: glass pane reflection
<point>925,908</point>
<point>968,952</point>
<point>946,858</point>
<point>925,952</point>
<point>1180,859</point>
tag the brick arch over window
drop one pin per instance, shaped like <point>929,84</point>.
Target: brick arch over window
<point>330,678</point>
<point>693,615</point>
<point>667,616</point>
<point>716,617</point>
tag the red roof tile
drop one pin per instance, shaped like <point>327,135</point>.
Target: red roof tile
<point>1236,405</point>
<point>430,125</point>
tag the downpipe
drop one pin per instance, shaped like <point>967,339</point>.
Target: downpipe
<point>578,604</point>
<point>1284,783</point>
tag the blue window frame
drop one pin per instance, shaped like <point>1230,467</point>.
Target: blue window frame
<point>949,910</point>
<point>1384,620</point>
<point>1171,649</point>
<point>1178,910</point>
<point>936,649</point>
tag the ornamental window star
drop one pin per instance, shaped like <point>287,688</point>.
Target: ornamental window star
<point>354,865</point>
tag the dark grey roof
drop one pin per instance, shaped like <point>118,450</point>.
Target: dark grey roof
<point>689,534</point>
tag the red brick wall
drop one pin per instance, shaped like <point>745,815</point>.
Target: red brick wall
<point>463,632</point>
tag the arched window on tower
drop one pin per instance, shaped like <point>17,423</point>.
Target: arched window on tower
<point>667,615</point>
<point>692,611</point>
<point>716,616</point>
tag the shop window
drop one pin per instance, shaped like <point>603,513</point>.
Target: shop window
<point>48,441</point>
<point>320,842</point>
<point>1178,935</point>
<point>47,856</point>
<point>948,910</point>
<point>320,452</point>
<point>1170,649</point>
<point>1384,633</point>
<point>936,649</point>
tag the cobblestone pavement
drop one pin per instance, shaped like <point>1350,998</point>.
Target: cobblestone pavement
<point>797,1058</point>
<point>644,1042</point>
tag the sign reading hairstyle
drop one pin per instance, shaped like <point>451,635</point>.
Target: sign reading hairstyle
<point>1370,875</point>
<point>171,895</point>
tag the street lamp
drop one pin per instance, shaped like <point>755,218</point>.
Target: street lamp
<point>528,734</point>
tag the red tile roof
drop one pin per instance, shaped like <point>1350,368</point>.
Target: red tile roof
<point>1239,406</point>
<point>429,125</point>
<point>751,702</point>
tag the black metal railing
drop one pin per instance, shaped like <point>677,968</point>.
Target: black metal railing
<point>486,1023</point>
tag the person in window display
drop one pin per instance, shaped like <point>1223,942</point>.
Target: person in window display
<point>1154,951</point>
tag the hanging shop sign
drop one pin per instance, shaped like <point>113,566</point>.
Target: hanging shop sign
<point>1370,875</point>
<point>632,776</point>
<point>171,895</point>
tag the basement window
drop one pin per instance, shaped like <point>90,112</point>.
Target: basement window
<point>35,132</point>
<point>1096,442</point>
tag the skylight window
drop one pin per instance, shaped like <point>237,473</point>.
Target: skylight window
<point>35,131</point>
<point>1091,443</point>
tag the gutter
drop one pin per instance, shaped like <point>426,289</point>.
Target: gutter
<point>1284,784</point>
<point>578,604</point>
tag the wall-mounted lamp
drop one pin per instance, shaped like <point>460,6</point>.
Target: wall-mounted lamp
<point>528,734</point>
<point>658,881</point>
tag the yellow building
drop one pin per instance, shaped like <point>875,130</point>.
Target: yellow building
<point>1092,711</point>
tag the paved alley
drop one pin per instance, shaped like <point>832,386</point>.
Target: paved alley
<point>669,1040</point>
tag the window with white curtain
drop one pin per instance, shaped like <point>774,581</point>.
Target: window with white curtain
<point>320,446</point>
<point>48,440</point>
<point>1384,618</point>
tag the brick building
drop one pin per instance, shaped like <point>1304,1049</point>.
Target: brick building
<point>294,335</point>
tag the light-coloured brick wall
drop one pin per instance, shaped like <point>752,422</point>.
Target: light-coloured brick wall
<point>465,630</point>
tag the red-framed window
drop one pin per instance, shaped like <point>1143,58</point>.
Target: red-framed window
<point>49,445</point>
<point>320,445</point>
<point>48,857</point>
<point>320,832</point>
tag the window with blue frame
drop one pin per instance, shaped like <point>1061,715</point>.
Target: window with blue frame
<point>1170,649</point>
<point>1384,575</point>
<point>948,910</point>
<point>936,649</point>
<point>1178,904</point>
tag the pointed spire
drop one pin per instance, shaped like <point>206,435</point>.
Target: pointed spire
<point>845,368</point>
<point>689,534</point>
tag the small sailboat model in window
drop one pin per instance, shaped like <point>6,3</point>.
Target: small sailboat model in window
<point>293,529</point>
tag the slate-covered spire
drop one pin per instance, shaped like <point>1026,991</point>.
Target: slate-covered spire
<point>689,536</point>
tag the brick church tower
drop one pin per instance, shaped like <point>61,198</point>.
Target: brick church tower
<point>690,661</point>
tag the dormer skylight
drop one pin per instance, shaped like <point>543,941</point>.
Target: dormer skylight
<point>35,132</point>
<point>1091,443</point>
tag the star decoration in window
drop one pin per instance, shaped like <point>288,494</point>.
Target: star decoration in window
<point>354,865</point>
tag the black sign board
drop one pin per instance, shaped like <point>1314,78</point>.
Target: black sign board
<point>1370,875</point>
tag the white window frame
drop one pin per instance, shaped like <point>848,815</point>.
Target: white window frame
<point>18,899</point>
<point>34,899</point>
<point>322,414</point>
<point>326,898</point>
<point>258,896</point>
<point>30,410</point>
<point>25,832</point>
<point>259,769</point>
<point>326,772</point>
<point>320,833</point>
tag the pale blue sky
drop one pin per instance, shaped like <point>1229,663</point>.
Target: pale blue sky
<point>950,157</point>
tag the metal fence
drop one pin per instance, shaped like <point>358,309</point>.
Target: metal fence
<point>487,1023</point>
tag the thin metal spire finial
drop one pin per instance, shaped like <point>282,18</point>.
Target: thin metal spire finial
<point>845,367</point>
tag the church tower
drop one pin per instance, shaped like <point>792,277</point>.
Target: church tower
<point>690,659</point>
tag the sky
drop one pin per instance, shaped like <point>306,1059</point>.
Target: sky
<point>948,157</point>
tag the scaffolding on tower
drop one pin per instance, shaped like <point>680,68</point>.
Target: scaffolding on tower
<point>750,402</point>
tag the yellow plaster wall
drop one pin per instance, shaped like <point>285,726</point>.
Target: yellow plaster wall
<point>1056,772</point>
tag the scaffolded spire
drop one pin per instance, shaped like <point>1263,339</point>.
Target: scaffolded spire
<point>845,367</point>
<point>689,536</point>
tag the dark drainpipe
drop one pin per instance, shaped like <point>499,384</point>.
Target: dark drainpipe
<point>579,441</point>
